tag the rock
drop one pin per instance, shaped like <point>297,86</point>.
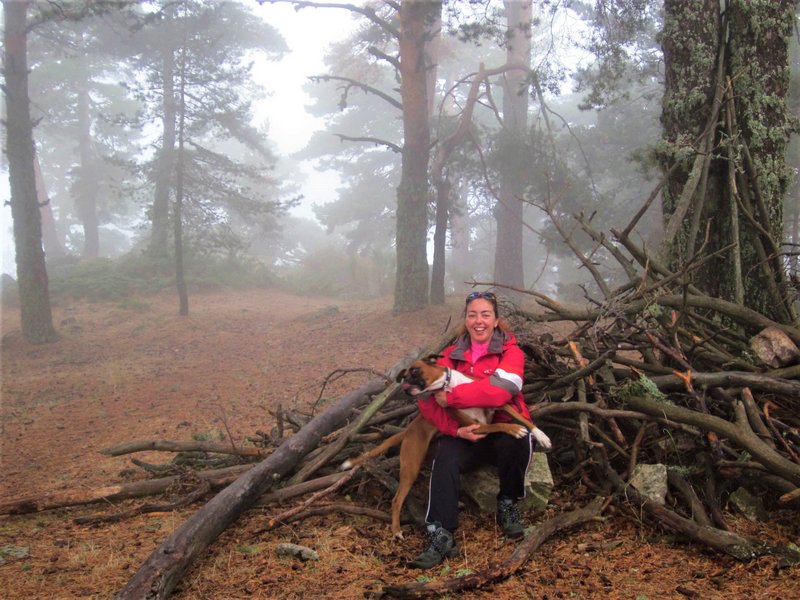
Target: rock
<point>296,551</point>
<point>13,552</point>
<point>774,348</point>
<point>651,482</point>
<point>481,486</point>
<point>752,507</point>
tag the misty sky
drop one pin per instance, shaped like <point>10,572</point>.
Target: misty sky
<point>308,33</point>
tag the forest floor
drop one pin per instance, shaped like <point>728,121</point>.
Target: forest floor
<point>137,371</point>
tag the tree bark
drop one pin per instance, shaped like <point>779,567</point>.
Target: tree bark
<point>736,196</point>
<point>35,311</point>
<point>114,493</point>
<point>165,567</point>
<point>53,245</point>
<point>170,446</point>
<point>411,280</point>
<point>508,262</point>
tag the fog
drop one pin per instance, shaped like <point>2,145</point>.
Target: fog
<point>300,175</point>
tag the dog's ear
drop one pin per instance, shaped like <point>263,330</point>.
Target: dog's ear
<point>400,376</point>
<point>432,358</point>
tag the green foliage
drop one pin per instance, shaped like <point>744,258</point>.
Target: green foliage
<point>644,386</point>
<point>334,272</point>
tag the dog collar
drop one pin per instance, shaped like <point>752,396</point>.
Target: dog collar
<point>448,374</point>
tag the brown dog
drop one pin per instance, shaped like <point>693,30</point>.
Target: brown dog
<point>425,376</point>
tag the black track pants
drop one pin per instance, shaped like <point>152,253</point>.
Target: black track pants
<point>455,456</point>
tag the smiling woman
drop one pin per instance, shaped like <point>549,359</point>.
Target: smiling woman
<point>486,351</point>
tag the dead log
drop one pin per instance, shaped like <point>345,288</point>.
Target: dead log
<point>345,509</point>
<point>740,547</point>
<point>739,433</point>
<point>202,488</point>
<point>170,446</point>
<point>506,568</point>
<point>755,381</point>
<point>166,565</point>
<point>283,494</point>
<point>114,493</point>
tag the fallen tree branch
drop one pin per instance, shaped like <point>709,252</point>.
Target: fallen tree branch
<point>506,568</point>
<point>740,434</point>
<point>113,493</point>
<point>202,488</point>
<point>170,446</point>
<point>739,547</point>
<point>347,509</point>
<point>276,520</point>
<point>165,566</point>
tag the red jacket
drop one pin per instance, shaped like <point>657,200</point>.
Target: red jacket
<point>498,380</point>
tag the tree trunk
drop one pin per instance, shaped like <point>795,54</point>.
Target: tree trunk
<point>86,192</point>
<point>166,158</point>
<point>443,188</point>
<point>162,571</point>
<point>508,263</point>
<point>36,315</point>
<point>731,98</point>
<point>411,282</point>
<point>53,244</point>
<point>177,218</point>
<point>461,264</point>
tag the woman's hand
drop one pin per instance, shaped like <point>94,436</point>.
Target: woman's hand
<point>465,433</point>
<point>441,398</point>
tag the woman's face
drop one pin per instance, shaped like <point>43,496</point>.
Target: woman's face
<point>480,320</point>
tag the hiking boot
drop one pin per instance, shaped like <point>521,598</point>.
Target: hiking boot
<point>440,545</point>
<point>508,518</point>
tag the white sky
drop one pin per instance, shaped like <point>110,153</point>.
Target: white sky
<point>308,33</point>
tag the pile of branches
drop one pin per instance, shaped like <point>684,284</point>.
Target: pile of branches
<point>656,372</point>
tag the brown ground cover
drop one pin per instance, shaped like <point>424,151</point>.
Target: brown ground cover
<point>124,372</point>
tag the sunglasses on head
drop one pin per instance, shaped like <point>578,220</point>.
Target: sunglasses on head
<point>485,295</point>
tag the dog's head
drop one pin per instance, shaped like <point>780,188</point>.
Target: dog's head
<point>422,375</point>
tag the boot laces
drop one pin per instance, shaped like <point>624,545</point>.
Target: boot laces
<point>438,540</point>
<point>509,513</point>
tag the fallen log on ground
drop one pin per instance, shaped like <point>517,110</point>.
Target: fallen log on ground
<point>506,568</point>
<point>114,493</point>
<point>166,565</point>
<point>172,446</point>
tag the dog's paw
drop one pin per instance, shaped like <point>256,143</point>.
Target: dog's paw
<point>542,439</point>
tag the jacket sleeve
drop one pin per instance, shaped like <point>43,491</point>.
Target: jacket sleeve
<point>497,389</point>
<point>430,409</point>
<point>437,415</point>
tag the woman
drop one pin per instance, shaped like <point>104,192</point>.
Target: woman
<point>486,351</point>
